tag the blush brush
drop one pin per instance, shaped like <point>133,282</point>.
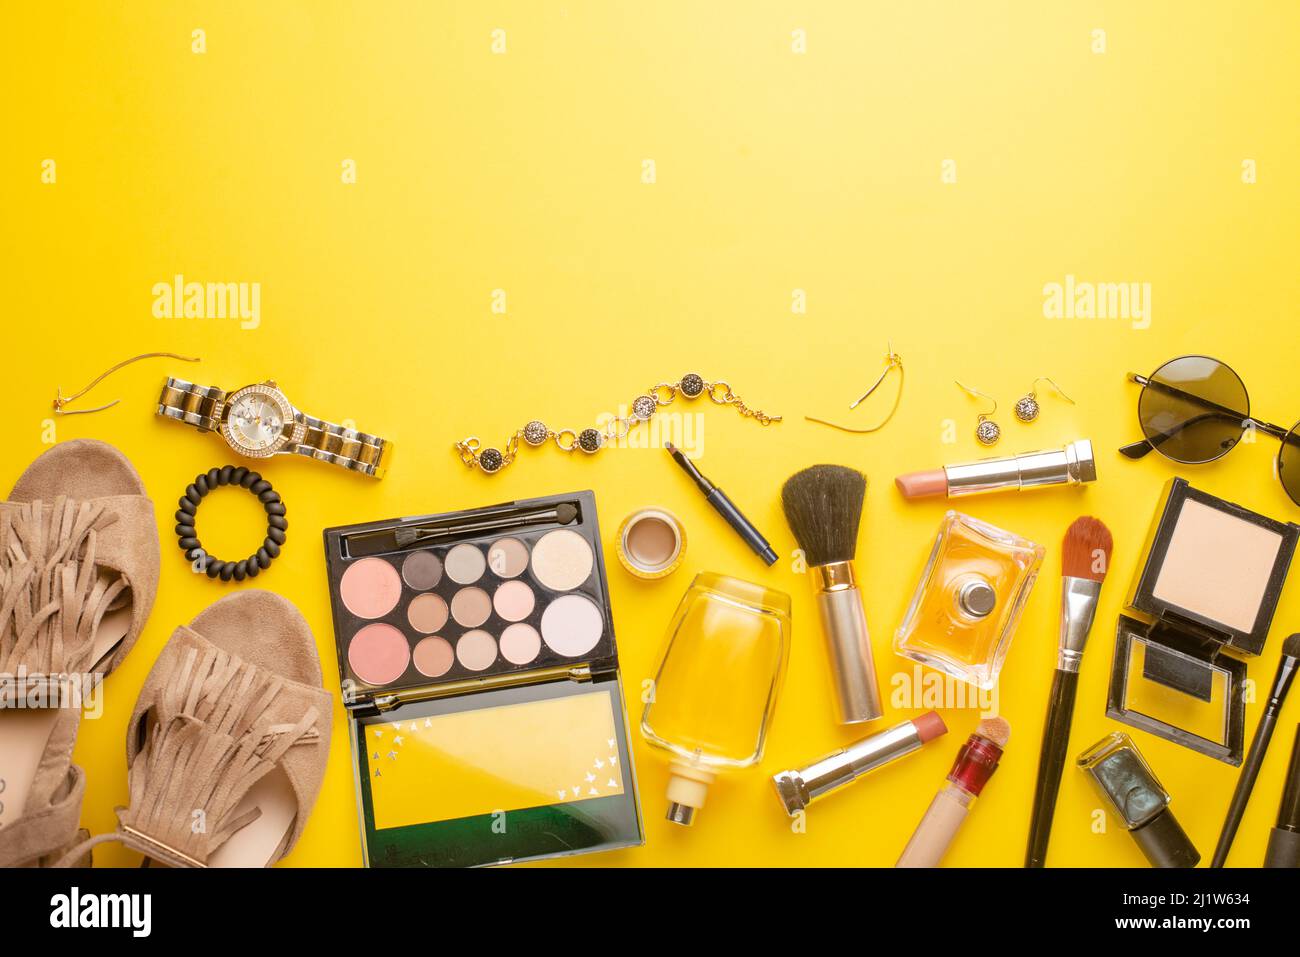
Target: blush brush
<point>1085,558</point>
<point>823,505</point>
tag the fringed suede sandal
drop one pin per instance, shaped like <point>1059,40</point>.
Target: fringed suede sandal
<point>78,575</point>
<point>228,742</point>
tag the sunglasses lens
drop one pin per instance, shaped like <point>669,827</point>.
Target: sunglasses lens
<point>1193,408</point>
<point>1288,463</point>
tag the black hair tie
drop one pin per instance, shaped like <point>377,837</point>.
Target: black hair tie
<point>276,525</point>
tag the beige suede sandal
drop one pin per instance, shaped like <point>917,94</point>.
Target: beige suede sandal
<point>78,574</point>
<point>228,742</point>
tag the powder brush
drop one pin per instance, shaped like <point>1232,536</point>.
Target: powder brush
<point>823,506</point>
<point>1085,558</point>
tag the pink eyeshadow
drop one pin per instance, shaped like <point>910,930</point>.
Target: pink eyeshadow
<point>514,601</point>
<point>520,644</point>
<point>378,654</point>
<point>370,588</point>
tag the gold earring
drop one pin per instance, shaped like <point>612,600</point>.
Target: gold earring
<point>61,400</point>
<point>987,432</point>
<point>1027,407</point>
<point>892,361</point>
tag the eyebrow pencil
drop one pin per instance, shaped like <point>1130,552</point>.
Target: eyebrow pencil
<point>975,764</point>
<point>1284,839</point>
<point>1085,558</point>
<point>823,506</point>
<point>1286,670</point>
<point>1072,465</point>
<point>724,507</point>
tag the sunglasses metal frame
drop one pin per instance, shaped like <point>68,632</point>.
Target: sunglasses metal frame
<point>1136,450</point>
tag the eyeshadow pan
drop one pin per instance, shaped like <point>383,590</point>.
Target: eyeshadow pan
<point>370,588</point>
<point>572,625</point>
<point>508,557</point>
<point>471,607</point>
<point>465,564</point>
<point>476,650</point>
<point>427,613</point>
<point>422,570</point>
<point>562,560</point>
<point>378,653</point>
<point>520,643</point>
<point>514,601</point>
<point>433,657</point>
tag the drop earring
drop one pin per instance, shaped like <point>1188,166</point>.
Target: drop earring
<point>1027,407</point>
<point>987,432</point>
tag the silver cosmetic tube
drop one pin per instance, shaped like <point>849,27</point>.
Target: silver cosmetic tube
<point>1072,465</point>
<point>798,789</point>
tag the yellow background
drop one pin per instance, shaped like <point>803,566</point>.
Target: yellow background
<point>776,171</point>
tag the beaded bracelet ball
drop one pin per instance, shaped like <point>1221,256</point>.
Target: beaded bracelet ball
<point>276,525</point>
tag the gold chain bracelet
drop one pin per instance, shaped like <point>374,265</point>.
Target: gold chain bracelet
<point>592,440</point>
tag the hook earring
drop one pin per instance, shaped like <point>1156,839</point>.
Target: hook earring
<point>892,361</point>
<point>987,432</point>
<point>1027,407</point>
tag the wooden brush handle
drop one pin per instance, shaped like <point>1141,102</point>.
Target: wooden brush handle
<point>1051,762</point>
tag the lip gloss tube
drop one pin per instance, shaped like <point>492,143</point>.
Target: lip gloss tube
<point>975,764</point>
<point>798,789</point>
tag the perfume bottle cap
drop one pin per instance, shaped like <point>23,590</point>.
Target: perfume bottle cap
<point>688,786</point>
<point>977,598</point>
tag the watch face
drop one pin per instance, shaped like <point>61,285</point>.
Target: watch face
<point>255,421</point>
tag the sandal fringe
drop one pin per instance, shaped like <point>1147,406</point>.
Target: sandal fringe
<point>52,594</point>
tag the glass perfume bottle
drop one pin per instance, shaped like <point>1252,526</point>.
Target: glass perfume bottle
<point>966,607</point>
<point>716,689</point>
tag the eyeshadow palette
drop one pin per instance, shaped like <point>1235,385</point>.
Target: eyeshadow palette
<point>479,669</point>
<point>504,590</point>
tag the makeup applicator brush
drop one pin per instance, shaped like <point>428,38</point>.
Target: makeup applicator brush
<point>1286,671</point>
<point>1085,558</point>
<point>823,505</point>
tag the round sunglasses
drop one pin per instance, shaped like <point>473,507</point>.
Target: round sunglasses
<point>1195,409</point>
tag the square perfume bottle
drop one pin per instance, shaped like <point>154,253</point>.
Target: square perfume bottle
<point>964,613</point>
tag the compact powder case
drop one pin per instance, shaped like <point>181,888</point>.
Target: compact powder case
<point>651,542</point>
<point>1203,601</point>
<point>480,673</point>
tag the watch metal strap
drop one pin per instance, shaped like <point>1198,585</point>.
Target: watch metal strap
<point>203,407</point>
<point>198,405</point>
<point>357,451</point>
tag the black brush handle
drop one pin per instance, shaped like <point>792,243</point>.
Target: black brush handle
<point>1245,784</point>
<point>1051,762</point>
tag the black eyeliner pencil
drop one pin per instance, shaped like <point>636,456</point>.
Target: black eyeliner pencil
<point>724,507</point>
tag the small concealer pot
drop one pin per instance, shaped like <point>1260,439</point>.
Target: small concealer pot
<point>651,542</point>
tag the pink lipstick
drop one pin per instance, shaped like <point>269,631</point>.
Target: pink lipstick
<point>1072,465</point>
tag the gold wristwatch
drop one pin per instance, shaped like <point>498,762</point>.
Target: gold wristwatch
<point>259,421</point>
